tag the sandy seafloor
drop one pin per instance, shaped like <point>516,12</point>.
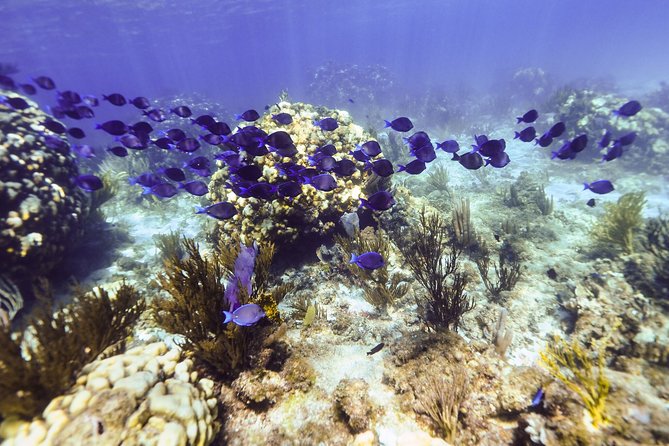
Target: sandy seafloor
<point>533,310</point>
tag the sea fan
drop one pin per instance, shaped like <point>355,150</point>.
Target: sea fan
<point>11,300</point>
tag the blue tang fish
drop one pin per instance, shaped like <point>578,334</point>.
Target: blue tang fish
<point>368,260</point>
<point>245,316</point>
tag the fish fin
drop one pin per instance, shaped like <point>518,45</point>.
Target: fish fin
<point>401,168</point>
<point>353,258</point>
<point>519,119</point>
<point>147,190</point>
<point>228,316</point>
<point>456,157</point>
<point>388,124</point>
<point>586,186</point>
<point>363,202</point>
<point>517,135</point>
<point>200,210</point>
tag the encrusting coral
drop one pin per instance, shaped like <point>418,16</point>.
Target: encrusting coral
<point>42,362</point>
<point>571,364</point>
<point>432,257</point>
<point>197,287</point>
<point>620,222</point>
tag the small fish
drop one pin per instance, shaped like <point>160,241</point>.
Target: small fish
<point>628,109</point>
<point>471,160</point>
<point>132,142</point>
<point>212,139</point>
<point>327,124</point>
<point>204,120</point>
<point>245,316</point>
<point>371,148</point>
<point>119,151</point>
<point>146,179</point>
<point>198,163</point>
<point>140,102</point>
<point>76,132</point>
<point>579,143</point>
<point>164,143</point>
<point>425,153</point>
<point>250,173</point>
<point>538,398</point>
<point>614,152</point>
<point>175,135</point>
<point>91,100</point>
<point>323,182</point>
<point>141,127</point>
<point>28,89</point>
<point>89,183</point>
<point>326,163</point>
<point>182,111</point>
<point>17,103</point>
<point>564,152</point>
<point>413,168</point>
<point>376,349</point>
<point>359,155</point>
<point>55,143</point>
<point>219,128</point>
<point>84,151</point>
<point>279,140</point>
<point>113,127</point>
<point>248,116</point>
<point>378,201</point>
<point>499,160</point>
<point>491,147</point>
<point>69,96</point>
<point>7,83</point>
<point>54,126</point>
<point>196,187</point>
<point>369,260</point>
<point>401,124</point>
<point>382,167</point>
<point>527,134</point>
<point>551,273</point>
<point>449,146</point>
<point>261,191</point>
<point>161,190</point>
<point>345,168</point>
<point>605,140</point>
<point>289,189</point>
<point>115,99</point>
<point>45,82</point>
<point>557,129</point>
<point>188,145</point>
<point>155,114</point>
<point>173,173</point>
<point>599,187</point>
<point>544,140</point>
<point>626,139</point>
<point>328,149</point>
<point>220,211</point>
<point>282,118</point>
<point>351,101</point>
<point>418,139</point>
<point>528,117</point>
<point>591,202</point>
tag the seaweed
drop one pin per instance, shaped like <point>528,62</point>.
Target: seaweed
<point>543,201</point>
<point>11,300</point>
<point>196,285</point>
<point>620,222</point>
<point>169,245</point>
<point>381,288</point>
<point>36,368</point>
<point>656,243</point>
<point>571,364</point>
<point>437,179</point>
<point>441,400</point>
<point>432,257</point>
<point>465,236</point>
<point>507,269</point>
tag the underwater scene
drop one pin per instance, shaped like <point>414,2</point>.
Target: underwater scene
<point>355,223</point>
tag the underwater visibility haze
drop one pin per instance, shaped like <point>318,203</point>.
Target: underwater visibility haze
<point>334,223</point>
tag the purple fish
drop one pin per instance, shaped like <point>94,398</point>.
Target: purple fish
<point>282,118</point>
<point>164,143</point>
<point>28,89</point>
<point>244,265</point>
<point>173,173</point>
<point>382,167</point>
<point>491,147</point>
<point>369,260</point>
<point>196,187</point>
<point>418,139</point>
<point>84,151</point>
<point>605,140</point>
<point>599,187</point>
<point>204,121</point>
<point>188,145</point>
<point>471,160</point>
<point>245,316</point>
<point>54,126</point>
<point>327,124</point>
<point>146,179</point>
<point>615,151</point>
<point>140,102</point>
<point>219,211</point>
<point>16,103</point>
<point>248,116</point>
<point>627,139</point>
<point>220,129</point>
<point>119,151</point>
<point>141,127</point>
<point>414,167</point>
<point>89,183</point>
<point>499,160</point>
<point>182,111</point>
<point>115,99</point>
<point>250,173</point>
<point>289,189</point>
<point>161,190</point>
<point>323,182</point>
<point>279,140</point>
<point>45,82</point>
<point>328,150</point>
<point>378,201</point>
<point>371,148</point>
<point>113,127</point>
<point>528,117</point>
<point>449,146</point>
<point>401,124</point>
<point>545,140</point>
<point>132,142</point>
<point>198,163</point>
<point>76,132</point>
<point>579,143</point>
<point>630,108</point>
<point>155,114</point>
<point>345,168</point>
<point>557,130</point>
<point>261,191</point>
<point>527,134</point>
<point>425,154</point>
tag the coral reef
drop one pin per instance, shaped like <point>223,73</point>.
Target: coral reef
<point>508,269</point>
<point>38,364</point>
<point>148,395</point>
<point>433,259</point>
<point>313,212</point>
<point>352,401</point>
<point>656,243</point>
<point>11,301</point>
<point>41,209</point>
<point>571,364</point>
<point>620,222</point>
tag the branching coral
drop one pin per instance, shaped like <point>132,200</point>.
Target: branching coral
<point>441,400</point>
<point>381,288</point>
<point>433,259</point>
<point>620,222</point>
<point>32,372</point>
<point>507,269</point>
<point>465,236</point>
<point>571,364</point>
<point>197,287</point>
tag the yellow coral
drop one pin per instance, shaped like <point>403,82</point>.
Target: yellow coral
<point>621,221</point>
<point>572,365</point>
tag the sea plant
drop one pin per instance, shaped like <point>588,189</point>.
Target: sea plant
<point>656,243</point>
<point>441,400</point>
<point>33,372</point>
<point>620,222</point>
<point>437,179</point>
<point>382,289</point>
<point>543,201</point>
<point>197,286</point>
<point>574,366</point>
<point>432,256</point>
<point>465,236</point>
<point>11,300</point>
<point>169,245</point>
<point>507,269</point>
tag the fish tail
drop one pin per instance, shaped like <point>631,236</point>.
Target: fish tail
<point>363,202</point>
<point>586,186</point>
<point>388,124</point>
<point>228,316</point>
<point>353,258</point>
<point>517,135</point>
<point>456,157</point>
<point>519,120</point>
<point>200,210</point>
<point>401,168</point>
<point>147,190</point>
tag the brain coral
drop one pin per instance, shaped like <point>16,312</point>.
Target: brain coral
<point>40,207</point>
<point>311,212</point>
